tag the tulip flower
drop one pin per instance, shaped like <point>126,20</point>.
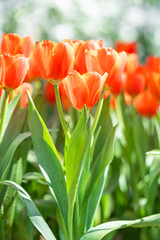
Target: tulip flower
<point>54,60</point>
<point>14,44</point>
<point>107,60</point>
<point>128,47</point>
<point>84,89</point>
<point>12,70</point>
<point>134,83</point>
<point>145,104</point>
<point>153,65</point>
<point>33,71</point>
<point>132,58</point>
<point>49,93</point>
<point>24,95</point>
<point>80,57</point>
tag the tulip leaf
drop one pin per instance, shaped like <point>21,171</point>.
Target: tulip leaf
<point>48,159</point>
<point>10,108</point>
<point>105,126</point>
<point>104,158</point>
<point>76,154</point>
<point>95,198</point>
<point>7,158</point>
<point>33,212</point>
<point>98,232</point>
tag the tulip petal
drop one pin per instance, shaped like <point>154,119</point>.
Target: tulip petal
<point>117,70</point>
<point>95,83</point>
<point>76,89</point>
<point>107,58</point>
<point>15,72</point>
<point>61,61</point>
<point>43,52</point>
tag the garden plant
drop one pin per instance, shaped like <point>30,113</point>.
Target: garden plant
<point>79,141</point>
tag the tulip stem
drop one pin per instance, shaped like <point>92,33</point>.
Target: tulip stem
<point>3,114</point>
<point>98,112</point>
<point>60,112</point>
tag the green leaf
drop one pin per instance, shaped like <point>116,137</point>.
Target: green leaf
<point>33,213</point>
<point>97,233</point>
<point>13,130</point>
<point>78,146</point>
<point>48,159</point>
<point>95,198</point>
<point>10,108</point>
<point>106,125</point>
<point>6,160</point>
<point>104,158</point>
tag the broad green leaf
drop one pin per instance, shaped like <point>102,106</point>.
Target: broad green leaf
<point>95,198</point>
<point>78,146</point>
<point>97,233</point>
<point>6,160</point>
<point>48,159</point>
<point>33,213</point>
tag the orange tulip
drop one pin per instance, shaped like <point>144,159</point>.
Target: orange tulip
<point>63,96</point>
<point>80,57</point>
<point>134,83</point>
<point>132,58</point>
<point>49,93</point>
<point>145,104</point>
<point>107,60</point>
<point>84,89</point>
<point>12,70</point>
<point>153,65</point>
<point>54,60</point>
<point>24,96</point>
<point>33,71</point>
<point>128,47</point>
<point>14,44</point>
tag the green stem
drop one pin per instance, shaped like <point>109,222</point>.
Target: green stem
<point>2,232</point>
<point>98,112</point>
<point>70,221</point>
<point>60,111</point>
<point>3,116</point>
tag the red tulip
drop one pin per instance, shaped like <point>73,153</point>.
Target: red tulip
<point>14,44</point>
<point>128,47</point>
<point>33,71</point>
<point>145,104</point>
<point>49,93</point>
<point>153,65</point>
<point>24,95</point>
<point>134,83</point>
<point>54,60</point>
<point>80,57</point>
<point>107,60</point>
<point>84,89</point>
<point>12,70</point>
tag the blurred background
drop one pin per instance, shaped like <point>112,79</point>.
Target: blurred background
<point>109,20</point>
